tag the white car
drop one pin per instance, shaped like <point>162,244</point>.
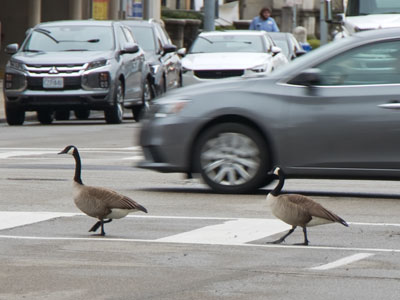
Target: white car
<point>223,54</point>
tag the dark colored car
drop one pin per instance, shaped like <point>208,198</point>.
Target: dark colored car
<point>79,66</point>
<point>161,54</point>
<point>333,113</point>
<point>288,43</point>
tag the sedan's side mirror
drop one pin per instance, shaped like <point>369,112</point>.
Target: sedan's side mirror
<point>275,50</point>
<point>182,52</point>
<point>168,48</point>
<point>130,48</point>
<point>12,48</point>
<point>309,78</point>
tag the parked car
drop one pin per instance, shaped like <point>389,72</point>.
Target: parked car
<point>165,63</point>
<point>288,43</point>
<point>76,65</point>
<point>232,53</point>
<point>333,113</point>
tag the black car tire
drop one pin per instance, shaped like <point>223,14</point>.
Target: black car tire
<point>82,114</point>
<point>62,115</point>
<point>147,95</point>
<point>15,116</point>
<point>45,116</point>
<point>232,158</point>
<point>115,114</point>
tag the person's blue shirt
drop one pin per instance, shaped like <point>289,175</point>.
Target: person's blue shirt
<point>267,25</point>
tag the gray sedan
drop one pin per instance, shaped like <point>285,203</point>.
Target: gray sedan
<point>333,113</point>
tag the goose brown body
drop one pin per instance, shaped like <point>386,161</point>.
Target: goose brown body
<point>98,202</point>
<point>298,210</point>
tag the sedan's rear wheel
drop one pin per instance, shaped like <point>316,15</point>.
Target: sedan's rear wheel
<point>62,115</point>
<point>147,96</point>
<point>232,158</point>
<point>45,116</point>
<point>115,114</point>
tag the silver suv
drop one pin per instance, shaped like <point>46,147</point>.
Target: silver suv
<point>79,66</point>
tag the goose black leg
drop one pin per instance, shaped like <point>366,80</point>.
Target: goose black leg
<point>98,224</point>
<point>278,241</point>
<point>305,237</point>
<point>102,226</point>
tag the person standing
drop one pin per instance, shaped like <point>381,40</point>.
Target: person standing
<point>264,21</point>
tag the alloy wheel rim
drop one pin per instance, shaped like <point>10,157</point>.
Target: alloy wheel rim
<point>230,159</point>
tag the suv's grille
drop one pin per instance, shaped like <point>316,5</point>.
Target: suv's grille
<point>70,69</point>
<point>70,83</point>
<point>214,74</point>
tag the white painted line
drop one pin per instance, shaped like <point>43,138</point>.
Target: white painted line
<point>343,261</point>
<point>109,239</point>
<point>10,219</point>
<point>232,232</point>
<point>23,153</point>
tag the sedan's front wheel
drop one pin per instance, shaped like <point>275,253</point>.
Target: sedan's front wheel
<point>232,158</point>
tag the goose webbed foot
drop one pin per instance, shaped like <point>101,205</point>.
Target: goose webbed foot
<point>100,224</point>
<point>282,239</point>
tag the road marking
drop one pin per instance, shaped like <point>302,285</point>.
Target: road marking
<point>343,261</point>
<point>18,152</point>
<point>10,219</point>
<point>232,232</point>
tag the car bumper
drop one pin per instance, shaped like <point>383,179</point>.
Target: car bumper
<point>167,144</point>
<point>69,99</point>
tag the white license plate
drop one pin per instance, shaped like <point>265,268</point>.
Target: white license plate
<point>53,82</point>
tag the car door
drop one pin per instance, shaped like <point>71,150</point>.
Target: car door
<point>351,119</point>
<point>130,66</point>
<point>171,61</point>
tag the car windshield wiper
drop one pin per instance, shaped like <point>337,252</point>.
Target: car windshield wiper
<point>46,33</point>
<point>32,50</point>
<point>77,50</point>
<point>202,37</point>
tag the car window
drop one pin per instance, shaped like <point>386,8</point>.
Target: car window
<point>70,38</point>
<point>145,37</point>
<point>128,35</point>
<point>378,63</point>
<point>163,35</point>
<point>227,43</point>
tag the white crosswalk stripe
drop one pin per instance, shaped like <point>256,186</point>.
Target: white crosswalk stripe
<point>127,153</point>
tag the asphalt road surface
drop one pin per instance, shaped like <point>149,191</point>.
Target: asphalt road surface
<point>193,244</point>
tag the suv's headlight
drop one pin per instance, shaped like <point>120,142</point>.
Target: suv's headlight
<point>16,65</point>
<point>97,64</point>
<point>259,68</point>
<point>165,108</point>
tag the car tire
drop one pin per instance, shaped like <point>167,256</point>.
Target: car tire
<point>148,94</point>
<point>115,114</point>
<point>45,116</point>
<point>62,115</point>
<point>232,158</point>
<point>82,114</point>
<point>15,116</point>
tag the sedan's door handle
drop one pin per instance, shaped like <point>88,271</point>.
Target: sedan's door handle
<point>392,105</point>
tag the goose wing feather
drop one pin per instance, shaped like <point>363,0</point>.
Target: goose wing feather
<point>314,209</point>
<point>112,199</point>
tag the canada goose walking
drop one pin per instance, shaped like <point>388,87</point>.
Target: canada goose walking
<point>298,210</point>
<point>99,202</point>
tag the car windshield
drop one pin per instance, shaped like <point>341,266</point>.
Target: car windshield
<point>368,7</point>
<point>70,38</point>
<point>227,43</point>
<point>281,43</point>
<point>145,38</point>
